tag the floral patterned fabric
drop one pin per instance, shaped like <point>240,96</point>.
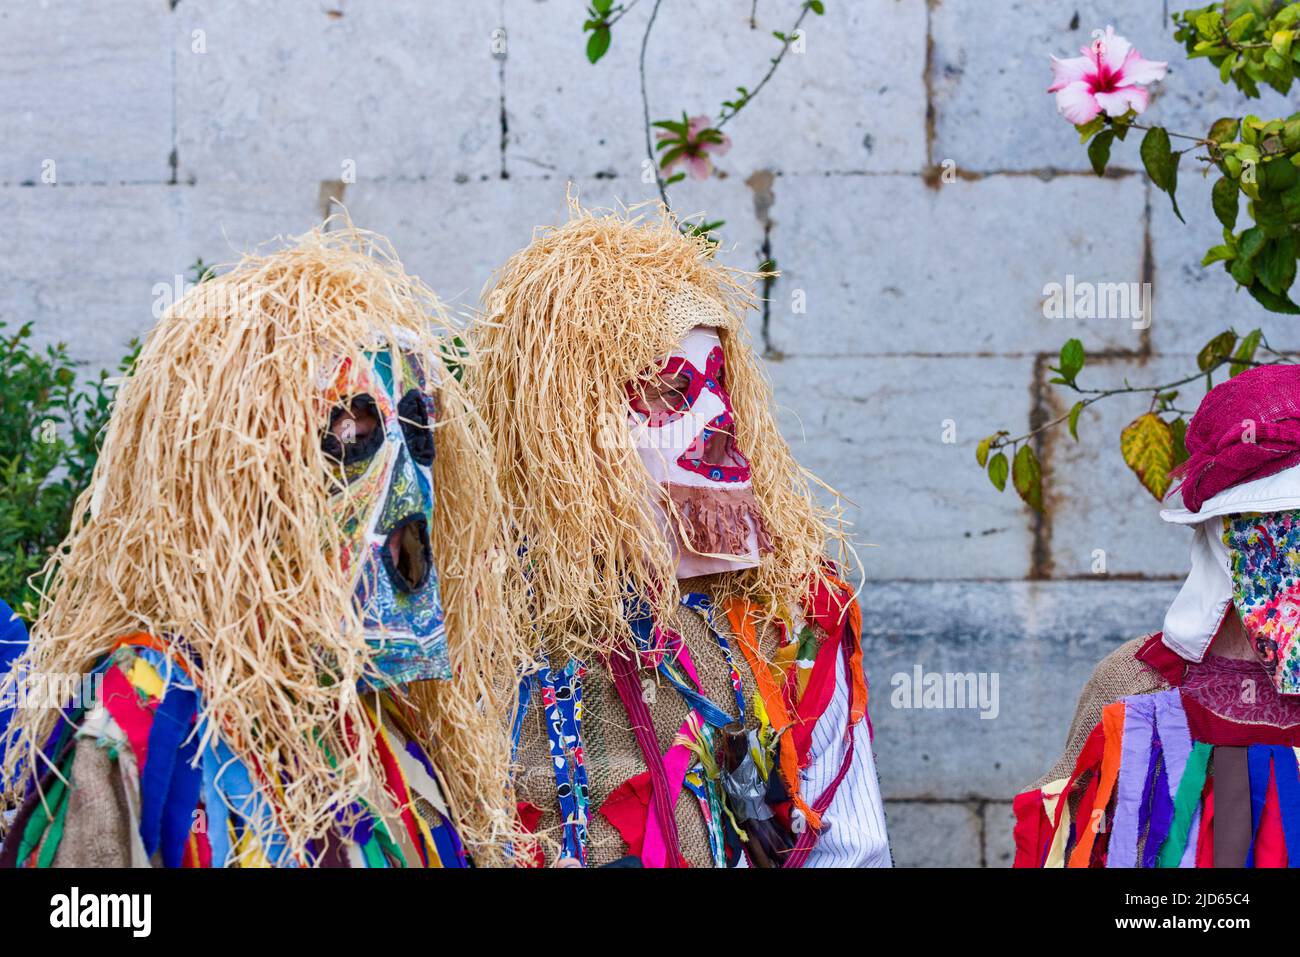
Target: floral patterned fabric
<point>1265,565</point>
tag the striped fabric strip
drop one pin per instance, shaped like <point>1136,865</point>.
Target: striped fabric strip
<point>853,830</point>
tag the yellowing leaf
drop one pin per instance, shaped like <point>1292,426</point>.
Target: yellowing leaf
<point>1027,476</point>
<point>1147,445</point>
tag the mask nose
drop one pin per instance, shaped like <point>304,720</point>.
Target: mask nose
<point>407,557</point>
<point>717,448</point>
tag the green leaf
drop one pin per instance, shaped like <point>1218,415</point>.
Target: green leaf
<point>1090,129</point>
<point>1224,130</point>
<point>1074,419</point>
<point>598,43</point>
<point>671,155</point>
<point>1225,199</point>
<point>1179,429</point>
<point>1275,265</point>
<point>1099,151</point>
<point>1237,29</point>
<point>982,451</point>
<point>1027,476</point>
<point>681,129</point>
<point>1147,444</point>
<point>602,6</point>
<point>1216,350</point>
<point>1218,254</point>
<point>1157,156</point>
<point>998,471</point>
<point>1271,300</point>
<point>1245,352</point>
<point>1250,243</point>
<point>1161,163</point>
<point>1278,175</point>
<point>1072,360</point>
<point>817,7</point>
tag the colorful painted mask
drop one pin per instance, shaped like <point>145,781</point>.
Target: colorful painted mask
<point>1264,555</point>
<point>683,426</point>
<point>380,439</point>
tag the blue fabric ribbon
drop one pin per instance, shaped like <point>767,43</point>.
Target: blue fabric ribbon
<point>1259,760</point>
<point>171,726</point>
<point>1288,799</point>
<point>13,642</point>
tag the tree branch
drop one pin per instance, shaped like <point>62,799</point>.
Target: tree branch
<point>1096,395</point>
<point>645,108</point>
<point>621,13</point>
<point>776,62</point>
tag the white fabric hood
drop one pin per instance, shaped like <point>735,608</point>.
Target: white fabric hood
<point>1195,615</point>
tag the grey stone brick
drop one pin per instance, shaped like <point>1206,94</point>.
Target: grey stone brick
<point>87,86</point>
<point>991,68</point>
<point>999,823</point>
<point>398,90</point>
<point>874,428</point>
<point>847,103</point>
<point>1195,302</point>
<point>1041,638</point>
<point>933,834</point>
<point>890,265</point>
<point>1095,501</point>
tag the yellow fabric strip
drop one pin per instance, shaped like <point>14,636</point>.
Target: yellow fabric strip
<point>143,676</point>
<point>1052,796</point>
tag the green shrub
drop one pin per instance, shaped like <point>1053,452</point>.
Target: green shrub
<point>50,425</point>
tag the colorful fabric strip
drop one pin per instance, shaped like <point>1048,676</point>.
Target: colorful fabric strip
<point>561,694</point>
<point>1087,829</point>
<point>629,691</point>
<point>1132,786</point>
<point>171,726</point>
<point>1287,776</point>
<point>1178,849</point>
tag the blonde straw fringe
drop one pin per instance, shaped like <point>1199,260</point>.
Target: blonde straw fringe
<point>571,320</point>
<point>210,524</point>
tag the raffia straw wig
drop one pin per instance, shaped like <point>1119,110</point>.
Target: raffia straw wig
<point>210,527</point>
<point>585,309</point>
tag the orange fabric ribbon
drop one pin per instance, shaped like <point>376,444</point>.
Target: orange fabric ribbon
<point>1112,722</point>
<point>742,615</point>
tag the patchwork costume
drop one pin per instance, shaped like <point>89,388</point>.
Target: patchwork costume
<point>168,755</point>
<point>1180,755</point>
<point>698,696</point>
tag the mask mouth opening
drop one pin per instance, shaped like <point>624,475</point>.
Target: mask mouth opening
<point>407,556</point>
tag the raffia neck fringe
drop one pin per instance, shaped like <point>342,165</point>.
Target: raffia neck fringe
<point>718,521</point>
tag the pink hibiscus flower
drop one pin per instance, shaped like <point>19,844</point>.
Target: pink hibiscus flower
<point>694,148</point>
<point>1110,77</point>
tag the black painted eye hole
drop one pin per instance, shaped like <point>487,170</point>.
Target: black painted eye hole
<point>355,432</point>
<point>414,416</point>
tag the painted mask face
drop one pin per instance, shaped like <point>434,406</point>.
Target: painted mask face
<point>379,440</point>
<point>1264,555</point>
<point>683,426</point>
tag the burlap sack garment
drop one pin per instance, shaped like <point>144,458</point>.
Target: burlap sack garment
<point>1119,675</point>
<point>611,751</point>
